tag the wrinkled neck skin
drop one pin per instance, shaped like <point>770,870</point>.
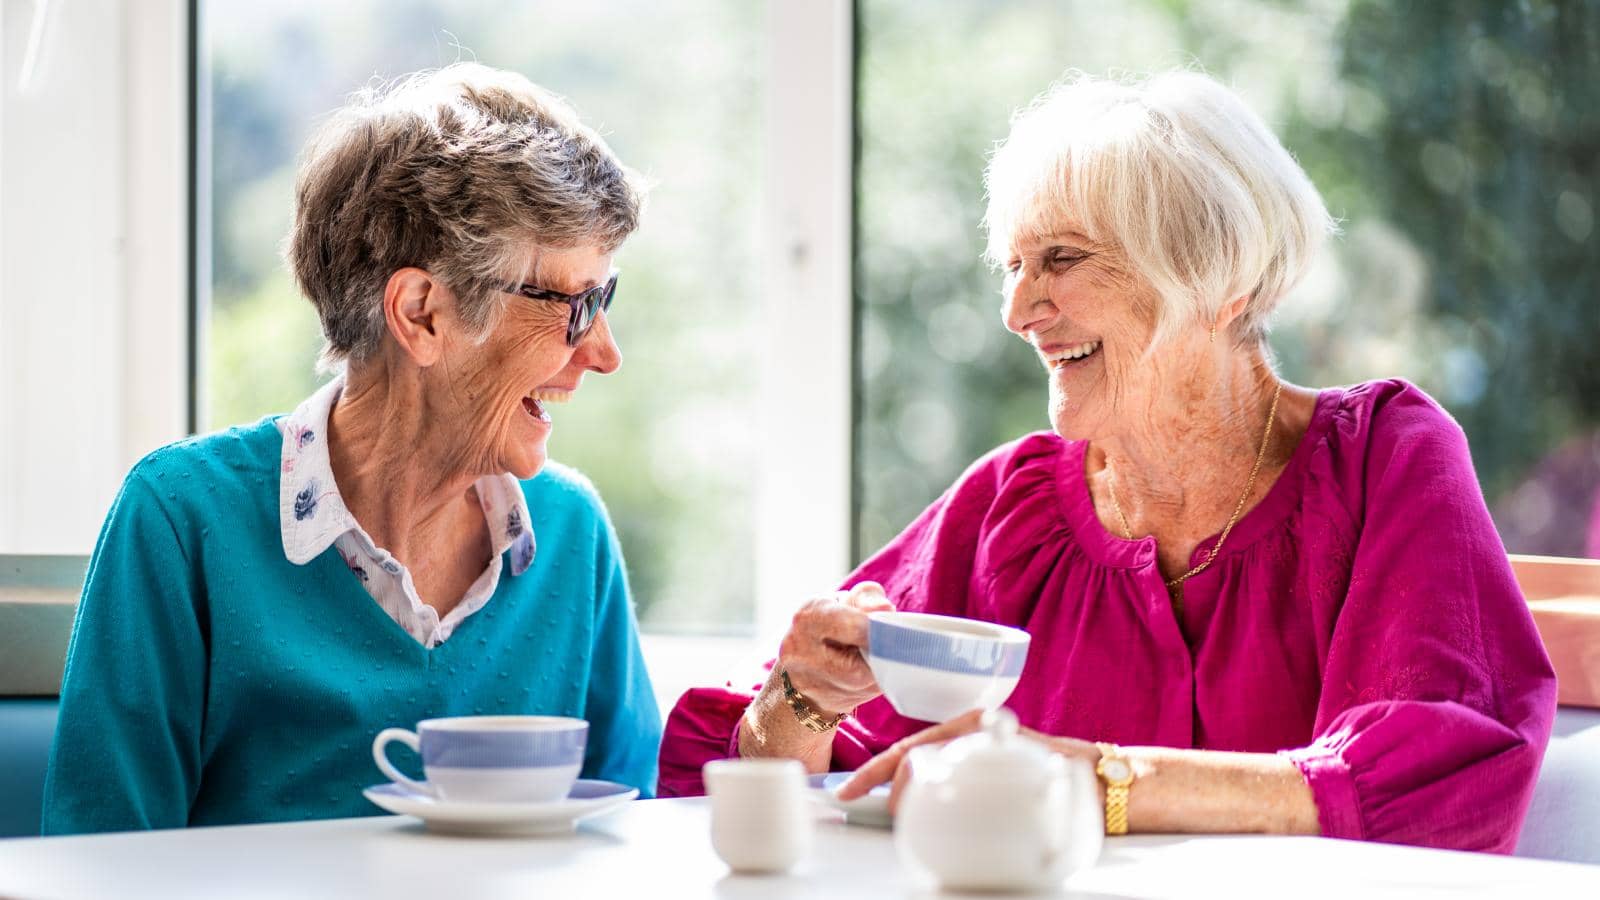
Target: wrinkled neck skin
<point>408,482</point>
<point>1181,448</point>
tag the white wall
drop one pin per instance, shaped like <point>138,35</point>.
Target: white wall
<point>92,257</point>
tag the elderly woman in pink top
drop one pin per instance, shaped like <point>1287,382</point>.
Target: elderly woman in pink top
<point>1278,609</point>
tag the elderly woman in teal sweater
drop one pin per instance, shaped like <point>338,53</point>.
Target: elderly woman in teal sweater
<point>263,600</point>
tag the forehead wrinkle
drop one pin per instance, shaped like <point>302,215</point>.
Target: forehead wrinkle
<point>552,276</point>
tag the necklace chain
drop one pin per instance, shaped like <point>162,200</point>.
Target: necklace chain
<point>1238,509</point>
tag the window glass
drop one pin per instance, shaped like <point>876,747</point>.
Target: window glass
<point>682,111</point>
<point>1457,141</point>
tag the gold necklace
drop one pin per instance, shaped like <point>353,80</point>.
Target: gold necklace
<point>1238,509</point>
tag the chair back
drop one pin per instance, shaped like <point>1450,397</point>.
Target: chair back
<point>1564,817</point>
<point>27,726</point>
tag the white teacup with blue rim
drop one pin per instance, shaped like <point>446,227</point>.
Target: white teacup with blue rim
<point>491,759</point>
<point>935,668</point>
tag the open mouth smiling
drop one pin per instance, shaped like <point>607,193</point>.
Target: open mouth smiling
<point>534,403</point>
<point>1063,357</point>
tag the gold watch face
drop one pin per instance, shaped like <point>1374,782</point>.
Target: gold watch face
<point>1115,770</point>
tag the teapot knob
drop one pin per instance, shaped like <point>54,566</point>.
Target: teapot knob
<point>1000,724</point>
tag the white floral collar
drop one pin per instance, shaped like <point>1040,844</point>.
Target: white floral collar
<point>312,514</point>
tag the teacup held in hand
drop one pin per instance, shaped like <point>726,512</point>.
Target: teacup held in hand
<point>935,668</point>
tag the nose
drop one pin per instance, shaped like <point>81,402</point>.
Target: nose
<point>1026,306</point>
<point>597,351</point>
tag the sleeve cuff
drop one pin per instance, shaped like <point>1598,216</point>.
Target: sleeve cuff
<point>1333,789</point>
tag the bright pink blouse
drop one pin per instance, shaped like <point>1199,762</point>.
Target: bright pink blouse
<point>1362,619</point>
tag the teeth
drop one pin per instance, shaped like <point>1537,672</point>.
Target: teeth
<point>1078,352</point>
<point>550,396</point>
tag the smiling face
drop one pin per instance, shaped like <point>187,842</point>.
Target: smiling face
<point>1090,319</point>
<point>505,385</point>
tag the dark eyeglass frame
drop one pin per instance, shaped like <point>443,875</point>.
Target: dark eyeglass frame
<point>585,304</point>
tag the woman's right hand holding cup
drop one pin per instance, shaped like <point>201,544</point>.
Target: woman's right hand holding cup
<point>823,650</point>
<point>822,656</point>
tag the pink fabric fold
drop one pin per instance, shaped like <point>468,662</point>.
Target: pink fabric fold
<point>1362,619</point>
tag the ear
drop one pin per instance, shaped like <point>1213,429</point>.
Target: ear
<point>1232,310</point>
<point>413,303</point>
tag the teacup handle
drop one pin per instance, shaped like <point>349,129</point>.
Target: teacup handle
<point>379,756</point>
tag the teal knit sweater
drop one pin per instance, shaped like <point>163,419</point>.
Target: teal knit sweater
<point>211,681</point>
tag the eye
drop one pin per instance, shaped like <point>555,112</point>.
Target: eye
<point>1013,266</point>
<point>1062,259</point>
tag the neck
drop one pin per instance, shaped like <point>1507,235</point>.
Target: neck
<point>1178,467</point>
<point>397,476</point>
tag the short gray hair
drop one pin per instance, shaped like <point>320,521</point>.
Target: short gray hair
<point>1179,174</point>
<point>457,171</point>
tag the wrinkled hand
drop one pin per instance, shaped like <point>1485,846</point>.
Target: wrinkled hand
<point>894,762</point>
<point>822,651</point>
<point>891,763</point>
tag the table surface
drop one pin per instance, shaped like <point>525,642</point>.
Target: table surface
<point>662,848</point>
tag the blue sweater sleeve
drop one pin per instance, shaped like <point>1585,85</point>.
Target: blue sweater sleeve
<point>624,721</point>
<point>127,743</point>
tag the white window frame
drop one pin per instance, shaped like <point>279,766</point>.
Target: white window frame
<point>94,330</point>
<point>806,359</point>
<point>803,497</point>
<point>159,332</point>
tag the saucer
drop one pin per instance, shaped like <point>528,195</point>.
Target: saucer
<point>588,797</point>
<point>871,810</point>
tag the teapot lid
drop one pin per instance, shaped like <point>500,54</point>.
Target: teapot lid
<point>998,752</point>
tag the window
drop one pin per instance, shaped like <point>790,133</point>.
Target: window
<point>666,438</point>
<point>1456,141</point>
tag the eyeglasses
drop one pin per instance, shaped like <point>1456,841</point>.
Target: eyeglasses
<point>585,304</point>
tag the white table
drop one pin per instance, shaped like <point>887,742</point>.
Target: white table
<point>661,849</point>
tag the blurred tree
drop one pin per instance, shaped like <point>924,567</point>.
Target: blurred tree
<point>1458,141</point>
<point>1483,149</point>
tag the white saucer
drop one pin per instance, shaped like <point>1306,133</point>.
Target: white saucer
<point>871,810</point>
<point>588,798</point>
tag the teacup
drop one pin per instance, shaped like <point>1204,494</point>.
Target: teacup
<point>510,759</point>
<point>935,668</point>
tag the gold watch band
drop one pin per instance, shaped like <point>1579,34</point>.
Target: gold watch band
<point>804,711</point>
<point>1117,775</point>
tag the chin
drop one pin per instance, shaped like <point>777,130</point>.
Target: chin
<point>1071,429</point>
<point>527,467</point>
<point>1084,415</point>
<point>1067,420</point>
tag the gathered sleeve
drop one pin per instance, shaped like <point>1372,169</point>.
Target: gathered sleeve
<point>127,751</point>
<point>926,568</point>
<point>1437,696</point>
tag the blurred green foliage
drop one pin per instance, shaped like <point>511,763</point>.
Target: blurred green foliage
<point>1459,143</point>
<point>681,111</point>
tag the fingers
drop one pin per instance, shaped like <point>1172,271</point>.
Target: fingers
<point>822,654</point>
<point>823,648</point>
<point>868,596</point>
<point>902,777</point>
<point>887,764</point>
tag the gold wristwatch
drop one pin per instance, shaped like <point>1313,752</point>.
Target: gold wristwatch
<point>804,711</point>
<point>1117,774</point>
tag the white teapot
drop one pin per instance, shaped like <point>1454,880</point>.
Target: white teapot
<point>995,811</point>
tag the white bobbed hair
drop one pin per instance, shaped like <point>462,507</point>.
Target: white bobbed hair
<point>1176,172</point>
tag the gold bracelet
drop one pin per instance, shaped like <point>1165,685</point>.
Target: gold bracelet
<point>804,711</point>
<point>1117,774</point>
